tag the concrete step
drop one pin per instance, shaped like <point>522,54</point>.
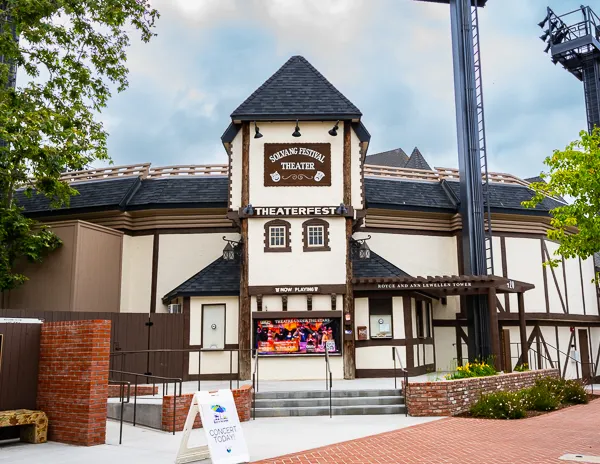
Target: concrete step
<point>336,411</point>
<point>147,414</point>
<point>276,395</point>
<point>314,402</point>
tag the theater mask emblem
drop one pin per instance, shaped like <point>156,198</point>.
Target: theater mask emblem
<point>275,176</point>
<point>319,175</point>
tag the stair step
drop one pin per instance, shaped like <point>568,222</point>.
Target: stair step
<point>325,394</point>
<point>336,411</point>
<point>348,401</point>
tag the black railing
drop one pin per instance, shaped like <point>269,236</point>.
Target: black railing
<point>255,385</point>
<point>165,381</point>
<point>396,356</point>
<point>122,385</point>
<point>328,380</point>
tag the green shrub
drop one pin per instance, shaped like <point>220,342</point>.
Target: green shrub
<point>540,398</point>
<point>574,393</point>
<point>499,405</point>
<point>474,369</point>
<point>555,385</point>
<point>521,367</point>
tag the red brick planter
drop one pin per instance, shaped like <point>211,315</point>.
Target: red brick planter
<point>452,397</point>
<point>241,396</point>
<point>142,390</point>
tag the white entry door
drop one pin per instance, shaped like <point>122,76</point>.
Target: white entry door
<point>213,327</point>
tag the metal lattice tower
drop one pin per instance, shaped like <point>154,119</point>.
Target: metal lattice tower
<point>472,150</point>
<point>573,40</point>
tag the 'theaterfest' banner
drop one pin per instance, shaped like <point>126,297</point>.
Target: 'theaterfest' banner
<point>297,164</point>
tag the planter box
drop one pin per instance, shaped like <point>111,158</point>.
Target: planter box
<point>452,397</point>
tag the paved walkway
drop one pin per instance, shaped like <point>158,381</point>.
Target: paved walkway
<point>541,439</point>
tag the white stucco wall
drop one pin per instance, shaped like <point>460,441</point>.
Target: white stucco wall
<point>136,275</point>
<point>301,367</point>
<point>236,171</point>
<point>356,173</point>
<point>445,350</point>
<point>180,256</point>
<point>296,267</point>
<point>378,357</point>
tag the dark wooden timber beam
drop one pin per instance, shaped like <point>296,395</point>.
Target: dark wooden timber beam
<point>522,327</point>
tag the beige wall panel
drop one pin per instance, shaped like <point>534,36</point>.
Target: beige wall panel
<point>497,248</point>
<point>419,255</point>
<point>553,292</point>
<point>398,317</point>
<point>272,303</point>
<point>98,273</point>
<point>356,177</point>
<point>429,354</point>
<point>447,311</point>
<point>564,335</point>
<point>213,363</point>
<point>361,314</point>
<point>297,303</point>
<point>378,357</point>
<point>524,263</point>
<point>50,284</point>
<point>595,342</point>
<point>298,368</point>
<point>231,317</point>
<point>589,287</point>
<point>136,275</point>
<point>297,267</point>
<point>574,286</point>
<point>322,303</point>
<point>445,350</point>
<point>181,256</point>
<point>281,132</point>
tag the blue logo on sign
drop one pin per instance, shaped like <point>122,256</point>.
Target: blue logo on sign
<point>229,450</point>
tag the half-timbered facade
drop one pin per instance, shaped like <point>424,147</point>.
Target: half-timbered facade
<point>301,242</point>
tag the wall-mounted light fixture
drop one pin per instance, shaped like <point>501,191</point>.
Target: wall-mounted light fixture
<point>257,134</point>
<point>360,246</point>
<point>230,250</point>
<point>296,132</point>
<point>333,131</point>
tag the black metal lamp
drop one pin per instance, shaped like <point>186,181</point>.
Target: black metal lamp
<point>296,132</point>
<point>364,252</point>
<point>231,249</point>
<point>333,131</point>
<point>545,35</point>
<point>257,134</point>
<point>545,20</point>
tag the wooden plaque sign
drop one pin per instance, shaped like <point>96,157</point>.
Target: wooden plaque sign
<point>297,164</point>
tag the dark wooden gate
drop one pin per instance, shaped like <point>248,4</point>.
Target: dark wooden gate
<point>19,356</point>
<point>584,350</point>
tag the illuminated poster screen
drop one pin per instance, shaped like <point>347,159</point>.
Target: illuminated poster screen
<point>297,336</point>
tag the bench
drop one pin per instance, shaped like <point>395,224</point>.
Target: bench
<point>33,425</point>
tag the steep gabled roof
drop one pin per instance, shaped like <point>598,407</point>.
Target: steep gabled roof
<point>221,277</point>
<point>375,266</point>
<point>416,161</point>
<point>296,91</point>
<point>396,158</point>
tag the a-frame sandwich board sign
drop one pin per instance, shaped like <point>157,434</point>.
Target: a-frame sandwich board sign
<point>221,424</point>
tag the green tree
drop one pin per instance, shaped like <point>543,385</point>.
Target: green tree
<point>71,53</point>
<point>574,173</point>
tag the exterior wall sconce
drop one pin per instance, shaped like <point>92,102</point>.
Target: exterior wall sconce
<point>231,249</point>
<point>248,210</point>
<point>360,245</point>
<point>257,134</point>
<point>333,132</point>
<point>296,132</point>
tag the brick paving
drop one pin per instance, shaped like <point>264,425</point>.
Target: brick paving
<point>541,439</point>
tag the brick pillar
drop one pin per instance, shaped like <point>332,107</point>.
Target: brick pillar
<point>73,380</point>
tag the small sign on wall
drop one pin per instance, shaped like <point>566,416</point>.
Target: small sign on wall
<point>363,333</point>
<point>297,164</point>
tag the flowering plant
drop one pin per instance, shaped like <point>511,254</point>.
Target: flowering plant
<point>472,369</point>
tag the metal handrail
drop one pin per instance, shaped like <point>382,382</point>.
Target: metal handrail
<point>255,385</point>
<point>165,381</point>
<point>330,383</point>
<point>396,354</point>
<point>122,385</point>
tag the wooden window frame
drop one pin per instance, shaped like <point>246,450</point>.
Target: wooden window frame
<point>287,234</point>
<point>312,223</point>
<point>384,310</point>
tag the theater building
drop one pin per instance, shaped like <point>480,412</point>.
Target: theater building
<point>302,242</point>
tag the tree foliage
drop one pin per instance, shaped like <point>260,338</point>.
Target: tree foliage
<point>574,173</point>
<point>70,53</point>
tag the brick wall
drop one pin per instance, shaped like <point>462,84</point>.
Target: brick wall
<point>73,380</point>
<point>241,396</point>
<point>452,397</point>
<point>114,391</point>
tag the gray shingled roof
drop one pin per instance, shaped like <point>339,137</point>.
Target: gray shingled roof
<point>375,266</point>
<point>597,260</point>
<point>510,197</point>
<point>534,179</point>
<point>296,91</point>
<point>416,161</point>
<point>406,194</point>
<point>221,277</point>
<point>194,191</point>
<point>92,195</point>
<point>396,158</point>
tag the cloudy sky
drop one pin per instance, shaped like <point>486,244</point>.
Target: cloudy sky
<point>392,58</point>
